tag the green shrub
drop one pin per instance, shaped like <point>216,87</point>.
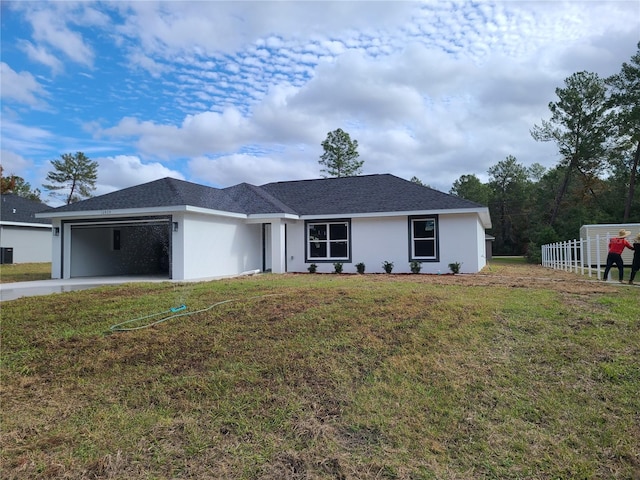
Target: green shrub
<point>337,267</point>
<point>360,267</point>
<point>387,266</point>
<point>312,268</point>
<point>416,266</point>
<point>455,267</point>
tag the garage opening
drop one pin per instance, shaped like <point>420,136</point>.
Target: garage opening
<point>121,248</point>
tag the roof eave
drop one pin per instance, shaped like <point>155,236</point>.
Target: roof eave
<point>260,217</point>
<point>117,212</point>
<point>482,212</point>
<point>26,224</point>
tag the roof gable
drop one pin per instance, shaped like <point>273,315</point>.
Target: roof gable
<point>166,192</point>
<point>18,209</point>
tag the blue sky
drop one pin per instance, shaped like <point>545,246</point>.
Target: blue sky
<point>220,93</point>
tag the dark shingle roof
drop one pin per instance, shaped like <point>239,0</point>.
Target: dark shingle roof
<point>22,210</point>
<point>256,200</point>
<point>363,194</point>
<point>166,192</point>
<point>330,196</point>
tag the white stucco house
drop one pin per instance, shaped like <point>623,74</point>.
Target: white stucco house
<point>187,231</point>
<point>23,237</point>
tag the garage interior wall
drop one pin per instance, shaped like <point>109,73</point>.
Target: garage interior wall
<point>109,250</point>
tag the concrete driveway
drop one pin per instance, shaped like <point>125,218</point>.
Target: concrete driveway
<point>12,291</point>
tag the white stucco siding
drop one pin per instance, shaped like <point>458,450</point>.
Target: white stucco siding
<point>380,239</point>
<point>213,247</point>
<point>462,241</point>
<point>29,244</point>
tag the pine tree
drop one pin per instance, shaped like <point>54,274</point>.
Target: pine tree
<point>76,175</point>
<point>340,155</point>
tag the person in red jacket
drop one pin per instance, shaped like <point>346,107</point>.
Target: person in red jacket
<point>616,247</point>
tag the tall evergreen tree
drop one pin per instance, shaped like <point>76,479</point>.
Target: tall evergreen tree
<point>508,183</point>
<point>340,157</point>
<point>471,188</point>
<point>579,127</point>
<point>625,100</point>
<point>75,175</point>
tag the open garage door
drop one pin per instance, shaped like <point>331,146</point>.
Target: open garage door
<point>140,247</point>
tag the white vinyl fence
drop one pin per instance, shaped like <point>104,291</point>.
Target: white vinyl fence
<point>587,255</point>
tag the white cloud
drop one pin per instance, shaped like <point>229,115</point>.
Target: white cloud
<point>49,27</point>
<point>20,87</point>
<point>122,171</point>
<point>39,54</point>
<point>207,132</point>
<point>237,168</point>
<point>21,138</point>
<point>14,164</point>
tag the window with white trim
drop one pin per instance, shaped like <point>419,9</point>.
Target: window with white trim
<point>328,241</point>
<point>424,238</point>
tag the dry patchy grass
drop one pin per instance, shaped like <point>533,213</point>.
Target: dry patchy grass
<point>24,272</point>
<point>518,372</point>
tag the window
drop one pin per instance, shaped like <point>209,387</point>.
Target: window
<point>116,239</point>
<point>328,241</point>
<point>424,238</point>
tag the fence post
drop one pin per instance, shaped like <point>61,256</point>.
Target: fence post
<point>598,257</point>
<point>588,255</point>
<point>581,256</point>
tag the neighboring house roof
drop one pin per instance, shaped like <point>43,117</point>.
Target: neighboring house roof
<point>17,209</point>
<point>329,196</point>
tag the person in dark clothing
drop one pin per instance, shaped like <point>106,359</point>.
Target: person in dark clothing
<point>616,247</point>
<point>635,265</point>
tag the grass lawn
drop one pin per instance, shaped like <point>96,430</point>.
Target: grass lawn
<point>517,372</point>
<point>515,259</point>
<point>24,272</point>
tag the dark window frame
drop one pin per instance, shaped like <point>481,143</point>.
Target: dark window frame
<point>328,258</point>
<point>436,239</point>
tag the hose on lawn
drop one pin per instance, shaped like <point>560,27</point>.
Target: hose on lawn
<point>175,313</point>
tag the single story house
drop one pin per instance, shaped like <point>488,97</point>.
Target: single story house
<point>186,231</point>
<point>23,237</point>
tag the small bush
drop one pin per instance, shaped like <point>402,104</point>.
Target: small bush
<point>387,266</point>
<point>455,267</point>
<point>337,267</point>
<point>416,266</point>
<point>312,268</point>
<point>360,267</point>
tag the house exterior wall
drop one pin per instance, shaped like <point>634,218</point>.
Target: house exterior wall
<point>606,231</point>
<point>206,246</point>
<point>31,244</point>
<point>379,239</point>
